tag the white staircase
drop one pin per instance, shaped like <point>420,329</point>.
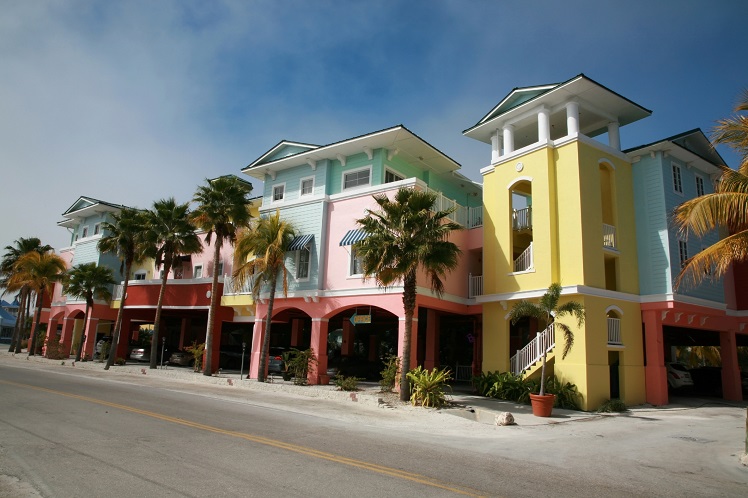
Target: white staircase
<point>544,342</point>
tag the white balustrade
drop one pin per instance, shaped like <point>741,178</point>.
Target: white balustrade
<point>524,261</point>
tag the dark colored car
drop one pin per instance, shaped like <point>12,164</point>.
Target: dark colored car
<point>275,360</point>
<point>181,357</point>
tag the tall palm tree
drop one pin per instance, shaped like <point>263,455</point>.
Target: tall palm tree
<point>547,311</point>
<point>169,235</point>
<point>267,243</point>
<point>222,209</point>
<point>89,282</point>
<point>726,208</point>
<point>123,237</point>
<point>405,234</point>
<point>7,264</point>
<point>38,272</point>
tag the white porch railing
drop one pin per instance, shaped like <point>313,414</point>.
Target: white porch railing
<point>527,356</point>
<point>475,285</point>
<point>614,331</point>
<point>229,288</point>
<point>522,218</point>
<point>463,372</point>
<point>475,217</point>
<point>117,294</point>
<point>524,261</point>
<point>609,236</point>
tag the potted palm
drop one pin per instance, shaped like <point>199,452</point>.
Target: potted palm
<point>547,310</point>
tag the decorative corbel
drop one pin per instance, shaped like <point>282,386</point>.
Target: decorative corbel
<point>503,304</point>
<point>312,163</point>
<point>369,153</point>
<point>677,316</point>
<point>341,158</point>
<point>703,320</point>
<point>271,174</point>
<point>690,319</point>
<point>664,315</point>
<point>392,153</point>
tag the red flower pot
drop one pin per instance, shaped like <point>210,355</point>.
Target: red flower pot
<point>542,406</point>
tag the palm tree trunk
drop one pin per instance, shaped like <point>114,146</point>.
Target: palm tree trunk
<point>208,369</point>
<point>32,341</point>
<point>84,332</point>
<point>17,329</point>
<point>266,337</point>
<point>409,306</point>
<point>157,320</point>
<point>118,323</point>
<point>24,318</point>
<point>542,375</point>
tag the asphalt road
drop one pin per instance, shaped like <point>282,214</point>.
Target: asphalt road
<point>83,434</point>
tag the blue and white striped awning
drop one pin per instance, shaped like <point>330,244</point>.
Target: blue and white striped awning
<point>353,236</point>
<point>300,242</point>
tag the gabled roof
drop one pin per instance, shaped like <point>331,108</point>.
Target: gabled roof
<point>6,317</point>
<point>277,151</point>
<point>397,139</point>
<point>590,94</point>
<point>691,147</point>
<point>84,207</point>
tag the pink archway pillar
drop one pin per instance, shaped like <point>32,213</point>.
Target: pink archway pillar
<point>731,388</point>
<point>655,373</point>
<point>68,324</point>
<point>88,348</point>
<point>51,333</point>
<point>318,373</point>
<point>254,357</point>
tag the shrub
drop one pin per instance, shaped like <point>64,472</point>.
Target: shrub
<point>427,387</point>
<point>104,353</point>
<point>298,364</point>
<point>612,405</point>
<point>390,373</point>
<point>119,361</point>
<point>567,395</point>
<point>55,350</point>
<point>510,387</point>
<point>346,383</point>
<point>197,351</point>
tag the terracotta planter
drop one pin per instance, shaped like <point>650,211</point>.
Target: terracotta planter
<point>324,379</point>
<point>542,406</point>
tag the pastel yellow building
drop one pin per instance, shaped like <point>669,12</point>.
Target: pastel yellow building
<point>558,207</point>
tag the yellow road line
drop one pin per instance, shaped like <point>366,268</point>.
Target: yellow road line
<point>265,441</point>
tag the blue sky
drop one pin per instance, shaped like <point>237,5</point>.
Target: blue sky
<point>133,101</point>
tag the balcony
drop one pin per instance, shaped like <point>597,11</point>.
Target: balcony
<point>525,261</point>
<point>229,288</point>
<point>522,219</point>
<point>609,236</point>
<point>475,285</point>
<point>469,217</point>
<point>614,332</point>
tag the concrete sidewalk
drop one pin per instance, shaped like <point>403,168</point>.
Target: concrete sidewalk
<point>464,403</point>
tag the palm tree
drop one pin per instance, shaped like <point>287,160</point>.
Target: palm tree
<point>405,234</point>
<point>38,272</point>
<point>123,237</point>
<point>726,208</point>
<point>89,282</point>
<point>169,235</point>
<point>268,242</point>
<point>12,255</point>
<point>222,209</point>
<point>547,311</point>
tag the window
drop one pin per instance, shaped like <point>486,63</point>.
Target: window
<point>682,252</point>
<point>358,178</point>
<point>140,275</point>
<point>357,265</point>
<point>303,260</point>
<point>84,233</point>
<point>279,192</point>
<point>699,185</point>
<point>390,177</point>
<point>307,186</point>
<point>198,272</point>
<point>220,268</point>
<point>97,228</point>
<point>677,182</point>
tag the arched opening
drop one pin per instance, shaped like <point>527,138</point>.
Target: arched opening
<point>613,318</point>
<point>521,223</point>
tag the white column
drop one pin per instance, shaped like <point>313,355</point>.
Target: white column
<point>495,146</point>
<point>508,139</point>
<point>572,119</point>
<point>544,125</point>
<point>614,136</point>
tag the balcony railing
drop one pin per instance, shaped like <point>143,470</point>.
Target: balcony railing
<point>522,219</point>
<point>614,331</point>
<point>524,261</point>
<point>475,285</point>
<point>469,217</point>
<point>527,356</point>
<point>609,236</point>
<point>230,288</point>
